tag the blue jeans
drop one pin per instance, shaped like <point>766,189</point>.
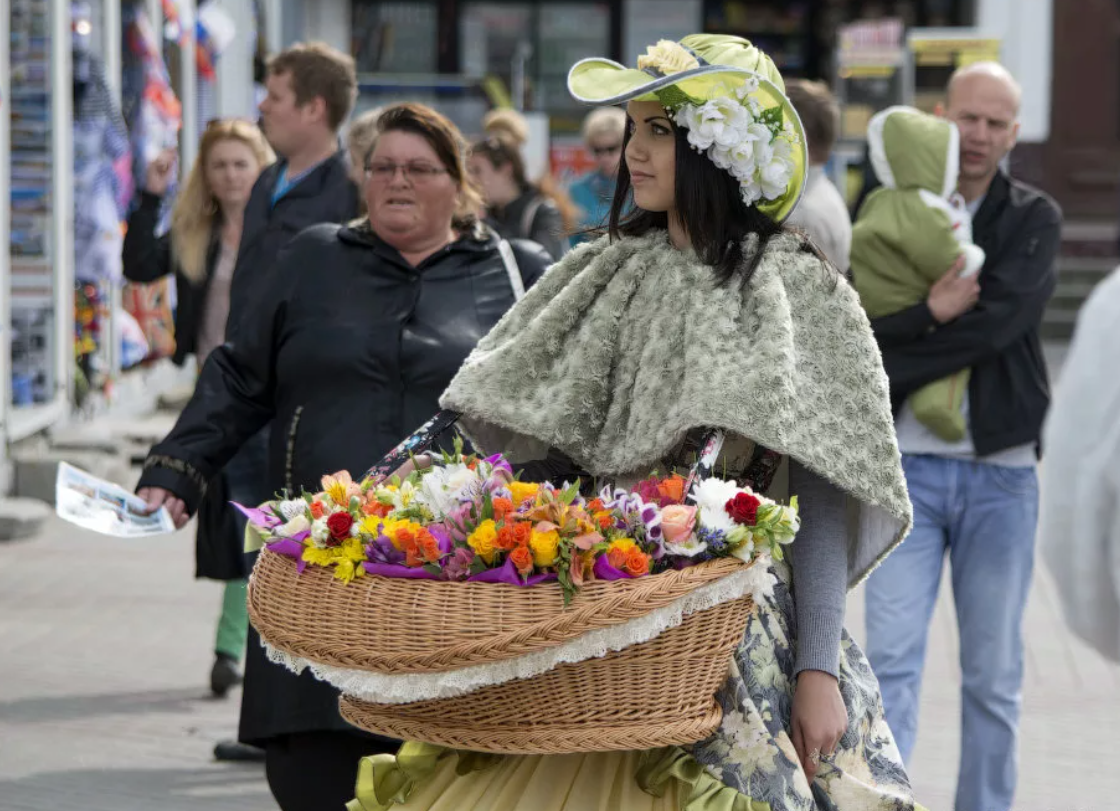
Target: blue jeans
<point>985,517</point>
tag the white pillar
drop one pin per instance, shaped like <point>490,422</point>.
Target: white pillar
<point>155,17</point>
<point>273,25</point>
<point>1026,32</point>
<point>234,68</point>
<point>111,46</point>
<point>5,246</point>
<point>328,21</point>
<point>188,94</point>
<point>62,197</point>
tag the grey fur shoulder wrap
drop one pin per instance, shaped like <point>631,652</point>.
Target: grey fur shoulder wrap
<point>622,348</point>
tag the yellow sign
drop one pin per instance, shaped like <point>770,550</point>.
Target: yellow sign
<point>954,52</point>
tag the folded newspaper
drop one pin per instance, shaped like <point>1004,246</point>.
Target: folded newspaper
<point>93,503</point>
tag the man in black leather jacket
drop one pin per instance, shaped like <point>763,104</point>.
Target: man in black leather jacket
<point>976,500</point>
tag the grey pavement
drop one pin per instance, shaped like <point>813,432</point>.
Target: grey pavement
<point>105,651</point>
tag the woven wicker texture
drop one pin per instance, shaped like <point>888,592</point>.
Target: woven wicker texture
<point>654,693</point>
<point>398,626</point>
<point>540,739</point>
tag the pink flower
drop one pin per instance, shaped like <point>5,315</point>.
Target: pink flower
<point>678,522</point>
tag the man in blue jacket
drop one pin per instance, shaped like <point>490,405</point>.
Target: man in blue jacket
<point>974,500</point>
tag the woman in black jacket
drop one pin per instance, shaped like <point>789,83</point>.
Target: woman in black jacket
<point>201,250</point>
<point>516,207</point>
<point>348,350</point>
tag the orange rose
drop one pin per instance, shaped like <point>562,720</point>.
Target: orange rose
<point>317,509</point>
<point>596,505</point>
<point>502,508</point>
<point>617,558</point>
<point>522,558</point>
<point>636,564</point>
<point>604,519</point>
<point>506,539</point>
<point>523,531</point>
<point>672,489</point>
<point>429,547</point>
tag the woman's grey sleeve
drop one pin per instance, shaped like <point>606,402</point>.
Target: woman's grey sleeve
<point>819,560</point>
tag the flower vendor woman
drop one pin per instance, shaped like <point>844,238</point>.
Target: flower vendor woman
<point>699,310</point>
<point>359,330</point>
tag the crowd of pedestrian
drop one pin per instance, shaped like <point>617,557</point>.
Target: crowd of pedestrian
<point>387,230</point>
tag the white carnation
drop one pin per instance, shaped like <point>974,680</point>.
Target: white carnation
<point>442,487</point>
<point>320,532</point>
<point>711,496</point>
<point>690,549</point>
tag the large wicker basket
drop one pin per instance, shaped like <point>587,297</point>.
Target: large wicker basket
<point>653,693</point>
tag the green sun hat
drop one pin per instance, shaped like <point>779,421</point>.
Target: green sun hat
<point>704,68</point>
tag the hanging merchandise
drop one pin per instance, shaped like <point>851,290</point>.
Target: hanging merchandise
<point>102,163</point>
<point>152,110</point>
<point>150,306</point>
<point>32,275</point>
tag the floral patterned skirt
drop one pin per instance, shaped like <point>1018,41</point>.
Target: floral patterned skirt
<point>749,764</point>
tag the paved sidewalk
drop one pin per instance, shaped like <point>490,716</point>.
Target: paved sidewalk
<point>105,651</point>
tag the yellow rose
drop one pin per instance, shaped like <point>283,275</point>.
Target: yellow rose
<point>482,541</point>
<point>544,546</point>
<point>523,491</point>
<point>668,57</point>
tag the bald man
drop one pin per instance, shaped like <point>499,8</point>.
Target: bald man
<point>975,501</point>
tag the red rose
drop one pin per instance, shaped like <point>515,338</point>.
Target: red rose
<point>339,524</point>
<point>743,509</point>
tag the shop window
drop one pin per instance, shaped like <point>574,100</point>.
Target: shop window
<point>396,38</point>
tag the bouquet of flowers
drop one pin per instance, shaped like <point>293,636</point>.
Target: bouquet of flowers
<point>471,519</point>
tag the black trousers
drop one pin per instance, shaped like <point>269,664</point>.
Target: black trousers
<point>316,771</point>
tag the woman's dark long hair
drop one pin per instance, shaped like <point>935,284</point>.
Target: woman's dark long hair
<point>710,207</point>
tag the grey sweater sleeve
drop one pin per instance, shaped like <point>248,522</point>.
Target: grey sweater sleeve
<point>818,558</point>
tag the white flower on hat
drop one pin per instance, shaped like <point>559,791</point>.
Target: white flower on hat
<point>667,57</point>
<point>749,86</point>
<point>776,172</point>
<point>720,122</point>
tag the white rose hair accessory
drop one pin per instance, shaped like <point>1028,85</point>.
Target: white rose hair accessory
<point>729,97</point>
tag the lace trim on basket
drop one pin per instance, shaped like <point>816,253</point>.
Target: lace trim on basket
<point>403,689</point>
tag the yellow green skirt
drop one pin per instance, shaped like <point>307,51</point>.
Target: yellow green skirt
<point>436,779</point>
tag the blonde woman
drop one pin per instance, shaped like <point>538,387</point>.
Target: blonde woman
<point>201,250</point>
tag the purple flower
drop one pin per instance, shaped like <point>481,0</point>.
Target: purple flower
<point>458,566</point>
<point>381,550</point>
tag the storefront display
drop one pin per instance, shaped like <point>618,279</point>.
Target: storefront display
<point>31,276</point>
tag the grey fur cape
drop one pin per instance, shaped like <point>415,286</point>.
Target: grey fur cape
<point>623,347</point>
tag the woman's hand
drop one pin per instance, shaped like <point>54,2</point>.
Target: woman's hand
<point>951,296</point>
<point>421,462</point>
<point>819,719</point>
<point>160,171</point>
<point>156,497</point>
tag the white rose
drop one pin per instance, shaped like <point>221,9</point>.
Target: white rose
<point>711,496</point>
<point>320,532</point>
<point>667,57</point>
<point>294,527</point>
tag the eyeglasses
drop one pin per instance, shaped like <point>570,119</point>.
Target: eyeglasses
<point>385,171</point>
<point>600,151</point>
